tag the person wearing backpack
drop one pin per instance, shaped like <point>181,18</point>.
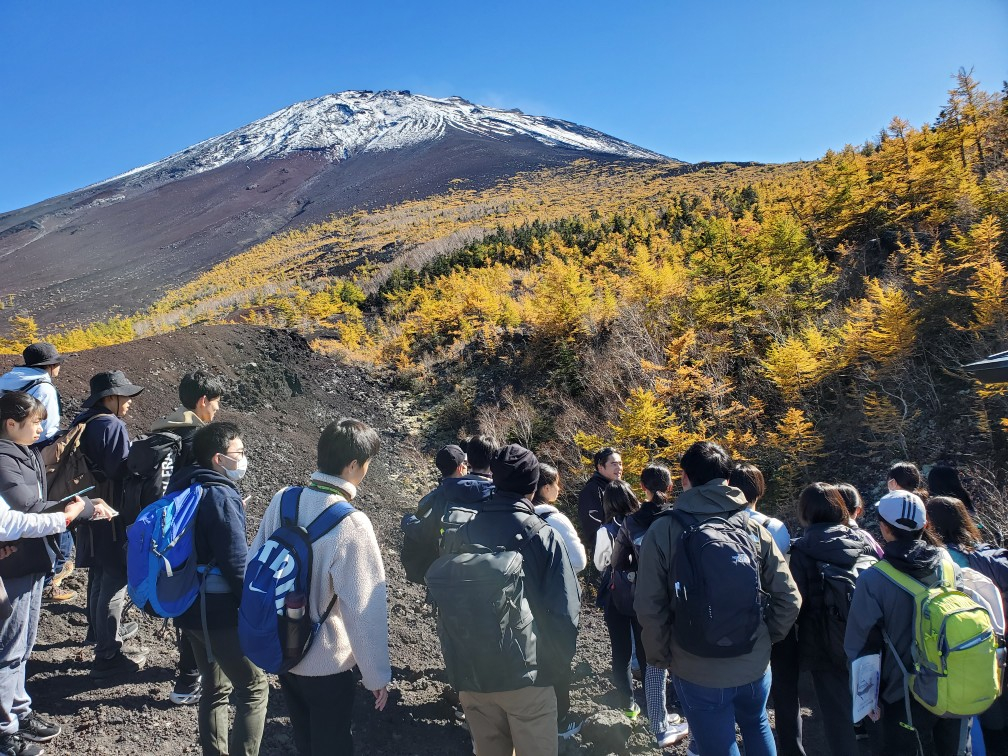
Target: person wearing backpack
<point>101,546</point>
<point>826,562</point>
<point>711,620</point>
<point>29,516</point>
<point>200,394</point>
<point>422,530</point>
<point>37,377</point>
<point>884,619</point>
<point>211,622</point>
<point>347,590</point>
<point>784,669</point>
<point>950,519</point>
<point>656,480</point>
<point>508,697</point>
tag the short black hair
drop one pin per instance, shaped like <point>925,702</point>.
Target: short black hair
<point>344,441</point>
<point>200,383</point>
<point>705,461</point>
<point>211,439</point>
<point>906,475</point>
<point>480,450</point>
<point>748,479</point>
<point>602,456</point>
<point>547,474</point>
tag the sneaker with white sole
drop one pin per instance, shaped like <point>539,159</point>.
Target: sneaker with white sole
<point>187,695</point>
<point>673,734</point>
<point>36,729</point>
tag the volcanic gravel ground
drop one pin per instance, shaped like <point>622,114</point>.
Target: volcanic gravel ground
<point>282,394</point>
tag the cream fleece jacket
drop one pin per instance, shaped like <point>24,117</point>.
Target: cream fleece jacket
<point>347,564</point>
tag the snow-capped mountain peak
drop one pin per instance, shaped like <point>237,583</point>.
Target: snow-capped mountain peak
<point>348,123</point>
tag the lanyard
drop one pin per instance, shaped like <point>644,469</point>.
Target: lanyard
<point>326,488</point>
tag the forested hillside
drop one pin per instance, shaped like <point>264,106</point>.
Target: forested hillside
<point>813,317</point>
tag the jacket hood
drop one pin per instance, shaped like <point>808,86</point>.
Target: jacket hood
<point>21,375</point>
<point>715,497</point>
<point>186,476</point>
<point>180,418</point>
<point>917,559</point>
<point>468,490</point>
<point>833,543</point>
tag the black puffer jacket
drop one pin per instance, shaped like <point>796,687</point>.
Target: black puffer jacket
<point>823,542</point>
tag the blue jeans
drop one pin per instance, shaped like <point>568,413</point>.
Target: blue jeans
<point>713,712</point>
<point>66,546</point>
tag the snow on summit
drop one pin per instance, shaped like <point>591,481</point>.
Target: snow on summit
<point>348,123</point>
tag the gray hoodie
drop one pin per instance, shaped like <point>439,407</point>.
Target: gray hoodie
<point>655,603</point>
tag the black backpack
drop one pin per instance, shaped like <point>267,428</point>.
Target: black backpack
<point>719,601</point>
<point>421,539</point>
<point>150,465</point>
<point>837,592</point>
<point>484,621</point>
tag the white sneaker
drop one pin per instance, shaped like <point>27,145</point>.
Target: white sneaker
<point>673,734</point>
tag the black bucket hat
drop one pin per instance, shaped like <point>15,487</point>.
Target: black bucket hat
<point>41,355</point>
<point>112,383</point>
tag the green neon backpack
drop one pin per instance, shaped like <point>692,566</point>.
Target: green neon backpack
<point>956,671</point>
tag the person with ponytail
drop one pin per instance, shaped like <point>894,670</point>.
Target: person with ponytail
<point>27,519</point>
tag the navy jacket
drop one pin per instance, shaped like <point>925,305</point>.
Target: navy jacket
<point>220,541</point>
<point>590,516</point>
<point>467,491</point>
<point>105,443</point>
<point>551,586</point>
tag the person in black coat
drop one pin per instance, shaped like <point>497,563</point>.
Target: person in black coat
<point>101,546</point>
<point>608,467</point>
<point>221,551</point>
<point>827,540</point>
<point>23,489</point>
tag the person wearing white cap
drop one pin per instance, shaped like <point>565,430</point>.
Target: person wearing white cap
<point>880,605</point>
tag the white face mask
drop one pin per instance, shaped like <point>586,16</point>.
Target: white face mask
<point>241,466</point>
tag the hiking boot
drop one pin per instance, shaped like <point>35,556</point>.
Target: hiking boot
<point>124,662</point>
<point>673,734</point>
<point>187,694</point>
<point>14,745</point>
<point>37,730</point>
<point>56,594</point>
<point>65,571</point>
<point>127,630</point>
<point>633,712</point>
<point>569,726</point>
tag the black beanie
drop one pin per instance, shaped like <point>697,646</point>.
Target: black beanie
<point>515,469</point>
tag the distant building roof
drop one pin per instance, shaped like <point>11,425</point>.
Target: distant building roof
<point>992,370</point>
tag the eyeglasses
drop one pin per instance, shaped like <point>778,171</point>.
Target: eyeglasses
<point>239,454</point>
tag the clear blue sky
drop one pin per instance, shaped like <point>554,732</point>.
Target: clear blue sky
<point>92,89</point>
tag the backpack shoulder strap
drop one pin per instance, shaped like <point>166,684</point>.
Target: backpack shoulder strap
<point>529,527</point>
<point>328,519</point>
<point>289,502</point>
<point>912,586</point>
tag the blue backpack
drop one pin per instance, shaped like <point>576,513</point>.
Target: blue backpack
<point>162,575</point>
<point>283,565</point>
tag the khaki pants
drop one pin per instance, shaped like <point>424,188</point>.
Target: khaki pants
<point>523,722</point>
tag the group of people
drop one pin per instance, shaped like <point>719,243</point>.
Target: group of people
<point>213,670</point>
<point>717,603</point>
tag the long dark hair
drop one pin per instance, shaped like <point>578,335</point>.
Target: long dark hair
<point>943,480</point>
<point>618,500</point>
<point>851,498</point>
<point>657,479</point>
<point>821,502</point>
<point>950,521</point>
<point>19,406</point>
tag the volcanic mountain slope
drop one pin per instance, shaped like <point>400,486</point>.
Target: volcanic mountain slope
<point>117,245</point>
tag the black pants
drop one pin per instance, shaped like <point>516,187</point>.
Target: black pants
<point>832,688</point>
<point>784,691</point>
<point>938,737</point>
<point>623,628</point>
<point>188,672</point>
<point>994,724</point>
<point>321,710</point>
